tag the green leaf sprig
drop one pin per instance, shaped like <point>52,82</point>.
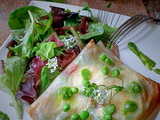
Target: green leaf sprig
<point>48,50</point>
<point>11,79</point>
<point>99,93</point>
<point>86,7</point>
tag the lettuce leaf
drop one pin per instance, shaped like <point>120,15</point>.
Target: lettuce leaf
<point>46,24</point>
<point>86,7</point>
<point>22,22</point>
<point>73,19</point>
<point>108,31</point>
<point>44,29</point>
<point>95,29</point>
<point>11,79</point>
<point>46,78</point>
<point>24,49</point>
<point>48,50</point>
<point>20,18</point>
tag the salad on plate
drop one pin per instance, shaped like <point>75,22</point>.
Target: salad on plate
<point>43,44</point>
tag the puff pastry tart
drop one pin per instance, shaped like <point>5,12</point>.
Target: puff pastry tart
<point>97,86</point>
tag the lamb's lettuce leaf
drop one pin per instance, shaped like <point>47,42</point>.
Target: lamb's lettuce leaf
<point>11,79</point>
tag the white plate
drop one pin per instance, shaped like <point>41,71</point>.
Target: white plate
<point>146,37</point>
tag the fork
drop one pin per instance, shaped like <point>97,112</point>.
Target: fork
<point>128,26</point>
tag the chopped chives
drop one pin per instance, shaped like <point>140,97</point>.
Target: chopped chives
<point>109,5</point>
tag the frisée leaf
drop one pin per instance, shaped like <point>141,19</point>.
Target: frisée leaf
<point>11,79</point>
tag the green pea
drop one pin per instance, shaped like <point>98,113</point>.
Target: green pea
<point>84,115</point>
<point>85,82</point>
<point>65,93</point>
<point>109,109</point>
<point>116,72</point>
<point>134,88</point>
<point>107,61</point>
<point>74,90</point>
<point>103,57</point>
<point>105,70</point>
<point>107,117</point>
<point>130,106</point>
<point>66,107</point>
<point>85,73</point>
<point>74,116</point>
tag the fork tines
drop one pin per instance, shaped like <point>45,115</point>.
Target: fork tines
<point>127,27</point>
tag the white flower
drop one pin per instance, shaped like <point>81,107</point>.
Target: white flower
<point>52,63</point>
<point>101,96</point>
<point>70,42</point>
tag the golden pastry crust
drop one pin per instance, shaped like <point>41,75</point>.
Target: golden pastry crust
<point>150,98</point>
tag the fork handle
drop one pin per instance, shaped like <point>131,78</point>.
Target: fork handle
<point>156,20</point>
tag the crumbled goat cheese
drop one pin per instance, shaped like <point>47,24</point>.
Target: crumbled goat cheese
<point>52,63</point>
<point>70,42</point>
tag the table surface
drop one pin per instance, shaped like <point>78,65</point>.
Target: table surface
<point>126,7</point>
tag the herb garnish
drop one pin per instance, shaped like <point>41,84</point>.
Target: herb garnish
<point>99,93</point>
<point>109,5</point>
<point>147,62</point>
